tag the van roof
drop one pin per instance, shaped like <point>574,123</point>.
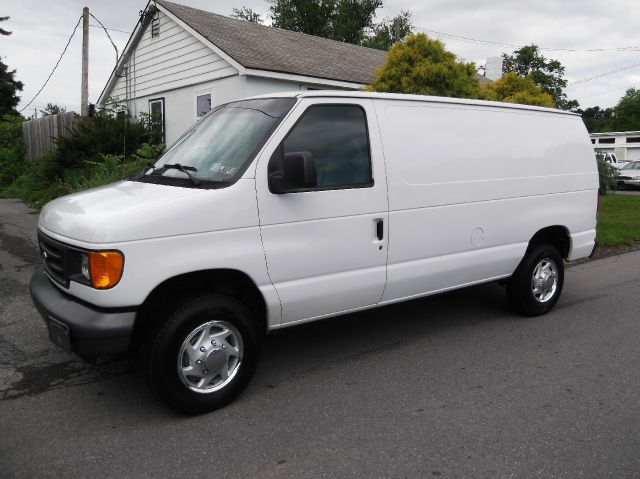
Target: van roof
<point>403,97</point>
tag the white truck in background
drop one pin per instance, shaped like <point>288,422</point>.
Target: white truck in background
<point>610,158</point>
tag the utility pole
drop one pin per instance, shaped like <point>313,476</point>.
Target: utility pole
<point>84,94</point>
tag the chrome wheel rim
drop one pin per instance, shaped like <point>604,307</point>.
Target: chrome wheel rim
<point>210,356</point>
<point>544,282</point>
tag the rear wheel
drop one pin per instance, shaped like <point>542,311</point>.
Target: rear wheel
<point>537,283</point>
<point>204,353</point>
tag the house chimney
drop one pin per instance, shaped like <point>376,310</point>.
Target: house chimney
<point>493,68</point>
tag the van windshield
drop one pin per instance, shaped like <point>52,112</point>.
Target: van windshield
<point>220,147</point>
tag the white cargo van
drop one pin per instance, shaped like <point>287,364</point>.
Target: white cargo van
<point>275,211</point>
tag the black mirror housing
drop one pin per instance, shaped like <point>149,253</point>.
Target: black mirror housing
<point>298,173</point>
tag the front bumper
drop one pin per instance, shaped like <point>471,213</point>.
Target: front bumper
<point>79,327</point>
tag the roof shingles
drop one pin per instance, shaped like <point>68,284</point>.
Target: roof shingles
<point>259,47</point>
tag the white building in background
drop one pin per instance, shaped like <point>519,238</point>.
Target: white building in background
<point>493,68</point>
<point>180,62</point>
<point>625,144</point>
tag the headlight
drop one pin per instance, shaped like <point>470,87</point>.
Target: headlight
<point>103,269</point>
<point>636,177</point>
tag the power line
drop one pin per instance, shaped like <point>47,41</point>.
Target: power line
<point>606,74</point>
<point>604,92</point>
<point>107,28</point>
<point>55,66</point>
<point>109,36</point>
<point>477,41</point>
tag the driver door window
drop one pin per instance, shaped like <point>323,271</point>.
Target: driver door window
<point>336,136</point>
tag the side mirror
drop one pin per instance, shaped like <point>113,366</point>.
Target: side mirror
<point>298,173</point>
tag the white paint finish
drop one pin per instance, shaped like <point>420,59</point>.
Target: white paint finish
<point>321,247</point>
<point>430,248</point>
<point>445,154</point>
<point>447,179</point>
<point>149,263</point>
<point>163,232</point>
<point>581,244</point>
<point>134,211</point>
<point>448,176</point>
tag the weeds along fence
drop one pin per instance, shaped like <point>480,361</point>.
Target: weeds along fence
<point>39,134</point>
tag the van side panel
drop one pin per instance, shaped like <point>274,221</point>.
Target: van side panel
<point>470,185</point>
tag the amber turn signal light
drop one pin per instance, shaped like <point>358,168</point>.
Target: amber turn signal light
<point>105,268</point>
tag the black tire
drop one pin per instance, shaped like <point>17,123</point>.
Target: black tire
<point>520,287</point>
<point>208,313</point>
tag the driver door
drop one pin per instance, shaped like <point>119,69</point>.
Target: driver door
<point>326,246</point>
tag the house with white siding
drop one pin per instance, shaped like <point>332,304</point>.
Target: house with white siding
<point>180,62</point>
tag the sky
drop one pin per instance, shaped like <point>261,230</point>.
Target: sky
<point>589,37</point>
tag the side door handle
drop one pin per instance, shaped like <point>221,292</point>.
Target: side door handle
<point>380,229</point>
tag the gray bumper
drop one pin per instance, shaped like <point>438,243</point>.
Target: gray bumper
<point>89,330</point>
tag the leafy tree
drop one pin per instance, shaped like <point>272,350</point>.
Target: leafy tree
<point>12,161</point>
<point>607,176</point>
<point>247,14</point>
<point>391,30</point>
<point>342,20</point>
<point>597,119</point>
<point>52,109</point>
<point>423,66</point>
<point>349,21</point>
<point>2,30</point>
<point>627,111</point>
<point>512,88</point>
<point>548,74</point>
<point>9,86</point>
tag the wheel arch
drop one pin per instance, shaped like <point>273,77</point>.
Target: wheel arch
<point>231,282</point>
<point>556,235</point>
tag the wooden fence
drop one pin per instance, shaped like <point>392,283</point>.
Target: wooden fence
<point>39,134</point>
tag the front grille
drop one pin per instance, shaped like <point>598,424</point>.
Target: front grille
<point>55,257</point>
<point>624,177</point>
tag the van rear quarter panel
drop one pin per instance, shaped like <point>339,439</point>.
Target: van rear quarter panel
<point>469,185</point>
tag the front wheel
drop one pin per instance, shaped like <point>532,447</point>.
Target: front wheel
<point>537,283</point>
<point>203,354</point>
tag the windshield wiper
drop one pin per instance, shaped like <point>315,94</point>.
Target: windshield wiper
<point>184,169</point>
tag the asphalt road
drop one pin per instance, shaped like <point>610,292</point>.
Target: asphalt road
<point>449,386</point>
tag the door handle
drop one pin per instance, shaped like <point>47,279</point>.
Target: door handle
<point>380,229</point>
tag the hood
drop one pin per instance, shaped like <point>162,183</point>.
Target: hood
<point>130,211</point>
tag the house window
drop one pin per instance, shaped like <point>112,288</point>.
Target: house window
<point>593,141</point>
<point>203,104</point>
<point>633,139</point>
<point>155,27</point>
<point>607,140</point>
<point>156,119</point>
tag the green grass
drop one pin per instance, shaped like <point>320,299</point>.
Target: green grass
<point>619,220</point>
